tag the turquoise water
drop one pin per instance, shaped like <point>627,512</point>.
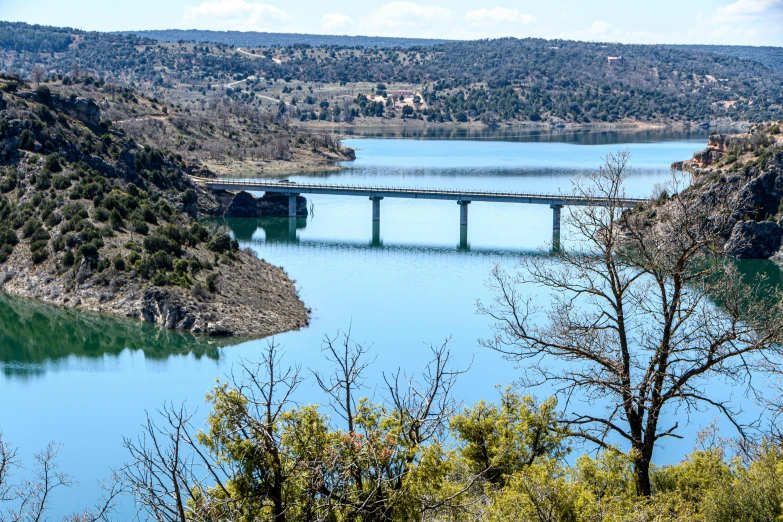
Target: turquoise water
<point>86,381</point>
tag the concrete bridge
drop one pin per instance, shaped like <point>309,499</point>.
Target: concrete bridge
<point>376,194</point>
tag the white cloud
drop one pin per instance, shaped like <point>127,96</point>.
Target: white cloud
<point>744,22</point>
<point>336,23</point>
<point>239,15</point>
<point>407,19</point>
<point>496,16</point>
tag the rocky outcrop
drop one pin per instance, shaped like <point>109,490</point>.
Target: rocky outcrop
<point>274,204</point>
<point>245,205</point>
<point>81,108</point>
<point>754,240</point>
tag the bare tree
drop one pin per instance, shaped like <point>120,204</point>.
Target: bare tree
<point>37,74</point>
<point>642,319</point>
<point>170,472</point>
<point>28,500</point>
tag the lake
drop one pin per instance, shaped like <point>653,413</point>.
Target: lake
<point>86,381</point>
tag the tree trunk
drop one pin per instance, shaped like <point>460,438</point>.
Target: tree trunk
<point>642,470</point>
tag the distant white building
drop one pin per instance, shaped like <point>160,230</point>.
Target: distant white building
<point>611,60</point>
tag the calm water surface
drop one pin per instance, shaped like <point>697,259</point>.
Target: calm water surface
<point>86,381</point>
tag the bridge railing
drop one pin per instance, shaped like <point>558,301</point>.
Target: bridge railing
<point>255,183</point>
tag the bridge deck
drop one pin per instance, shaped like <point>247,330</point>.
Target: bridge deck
<point>399,192</point>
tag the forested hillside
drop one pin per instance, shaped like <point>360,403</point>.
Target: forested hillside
<point>511,80</point>
<point>772,57</point>
<point>263,39</point>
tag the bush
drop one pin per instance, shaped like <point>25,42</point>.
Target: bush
<point>38,245</point>
<point>133,258</point>
<point>26,140</point>
<point>140,227</point>
<point>115,220</point>
<point>61,182</point>
<point>100,214</point>
<point>52,163</point>
<point>68,259</point>
<point>160,279</point>
<point>162,261</point>
<point>199,292</point>
<point>30,226</point>
<point>119,263</point>
<point>157,243</point>
<point>5,253</point>
<point>88,250</point>
<point>213,280</point>
<point>43,181</point>
<point>74,209</point>
<point>53,219</point>
<point>41,255</point>
<point>220,243</point>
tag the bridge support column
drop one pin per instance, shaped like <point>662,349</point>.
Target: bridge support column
<point>463,212</point>
<point>556,208</point>
<point>463,238</point>
<point>376,208</point>
<point>376,234</point>
<point>292,205</point>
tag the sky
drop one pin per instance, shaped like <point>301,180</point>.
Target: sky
<point>734,22</point>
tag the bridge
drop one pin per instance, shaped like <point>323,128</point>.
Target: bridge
<point>376,194</point>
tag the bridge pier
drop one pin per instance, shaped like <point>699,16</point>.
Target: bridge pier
<point>376,208</point>
<point>292,204</point>
<point>463,212</point>
<point>463,238</point>
<point>376,234</point>
<point>556,208</point>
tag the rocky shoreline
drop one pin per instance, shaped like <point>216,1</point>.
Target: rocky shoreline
<point>742,175</point>
<point>92,220</point>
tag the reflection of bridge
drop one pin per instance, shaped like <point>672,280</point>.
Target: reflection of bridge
<point>376,194</point>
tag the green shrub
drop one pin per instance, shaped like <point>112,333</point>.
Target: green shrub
<point>157,243</point>
<point>43,180</point>
<point>100,214</point>
<point>26,140</point>
<point>53,219</point>
<point>5,253</point>
<point>41,255</point>
<point>220,243</point>
<point>87,250</point>
<point>160,279</point>
<point>133,258</point>
<point>68,258</point>
<point>212,281</point>
<point>38,245</point>
<point>162,261</point>
<point>52,163</point>
<point>119,263</point>
<point>74,209</point>
<point>61,182</point>
<point>140,227</point>
<point>30,226</point>
<point>115,220</point>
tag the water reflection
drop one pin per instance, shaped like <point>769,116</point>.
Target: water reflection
<point>34,334</point>
<point>551,135</point>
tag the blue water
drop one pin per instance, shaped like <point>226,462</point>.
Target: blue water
<point>415,288</point>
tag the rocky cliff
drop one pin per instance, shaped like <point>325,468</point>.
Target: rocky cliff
<point>741,176</point>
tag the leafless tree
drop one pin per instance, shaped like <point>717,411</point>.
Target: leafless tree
<point>342,386</point>
<point>29,499</point>
<point>642,319</point>
<point>169,472</point>
<point>37,74</point>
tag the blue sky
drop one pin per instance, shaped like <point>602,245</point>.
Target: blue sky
<point>748,22</point>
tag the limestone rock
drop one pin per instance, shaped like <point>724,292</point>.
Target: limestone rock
<point>244,205</point>
<point>754,240</point>
<point>275,204</point>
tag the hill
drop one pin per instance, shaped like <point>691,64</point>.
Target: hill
<point>772,57</point>
<point>527,81</point>
<point>263,39</point>
<point>95,219</point>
